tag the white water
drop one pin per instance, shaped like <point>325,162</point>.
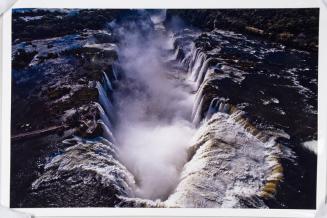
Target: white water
<point>311,146</point>
<point>104,100</point>
<point>154,109</point>
<point>232,159</point>
<point>200,58</point>
<point>202,72</point>
<point>115,71</point>
<point>104,117</point>
<point>83,157</point>
<point>107,81</point>
<point>197,114</point>
<point>157,132</point>
<point>107,132</point>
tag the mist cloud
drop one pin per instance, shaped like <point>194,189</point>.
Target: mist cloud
<point>154,109</point>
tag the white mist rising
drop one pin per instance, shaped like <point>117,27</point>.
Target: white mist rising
<point>155,155</point>
<point>154,109</point>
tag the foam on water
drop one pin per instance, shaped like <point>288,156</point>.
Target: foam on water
<point>229,164</point>
<point>90,160</point>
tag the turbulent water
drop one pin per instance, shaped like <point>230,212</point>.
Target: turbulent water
<point>187,119</point>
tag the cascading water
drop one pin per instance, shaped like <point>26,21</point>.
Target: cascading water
<point>104,100</point>
<point>220,119</point>
<point>199,60</point>
<point>197,116</point>
<point>107,81</point>
<point>202,73</point>
<point>173,143</point>
<point>213,108</point>
<point>194,53</point>
<point>104,116</point>
<point>115,71</point>
<point>151,107</point>
<point>107,132</point>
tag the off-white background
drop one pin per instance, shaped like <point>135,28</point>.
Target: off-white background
<point>5,83</point>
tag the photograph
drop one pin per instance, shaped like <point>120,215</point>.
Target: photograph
<point>164,108</point>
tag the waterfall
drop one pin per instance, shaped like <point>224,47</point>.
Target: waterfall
<point>221,150</point>
<point>158,16</point>
<point>198,115</point>
<point>107,134</point>
<point>213,108</point>
<point>210,71</point>
<point>175,57</point>
<point>195,52</point>
<point>226,107</point>
<point>107,81</point>
<point>197,100</point>
<point>104,100</point>
<point>217,105</point>
<point>202,73</point>
<point>115,70</point>
<point>103,116</point>
<point>180,54</point>
<point>201,175</point>
<point>174,43</point>
<point>197,66</point>
<point>186,60</point>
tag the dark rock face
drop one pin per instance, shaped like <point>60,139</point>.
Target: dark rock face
<point>23,58</point>
<point>293,27</point>
<point>59,23</point>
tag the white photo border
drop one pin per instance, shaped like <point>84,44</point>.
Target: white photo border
<point>5,85</point>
